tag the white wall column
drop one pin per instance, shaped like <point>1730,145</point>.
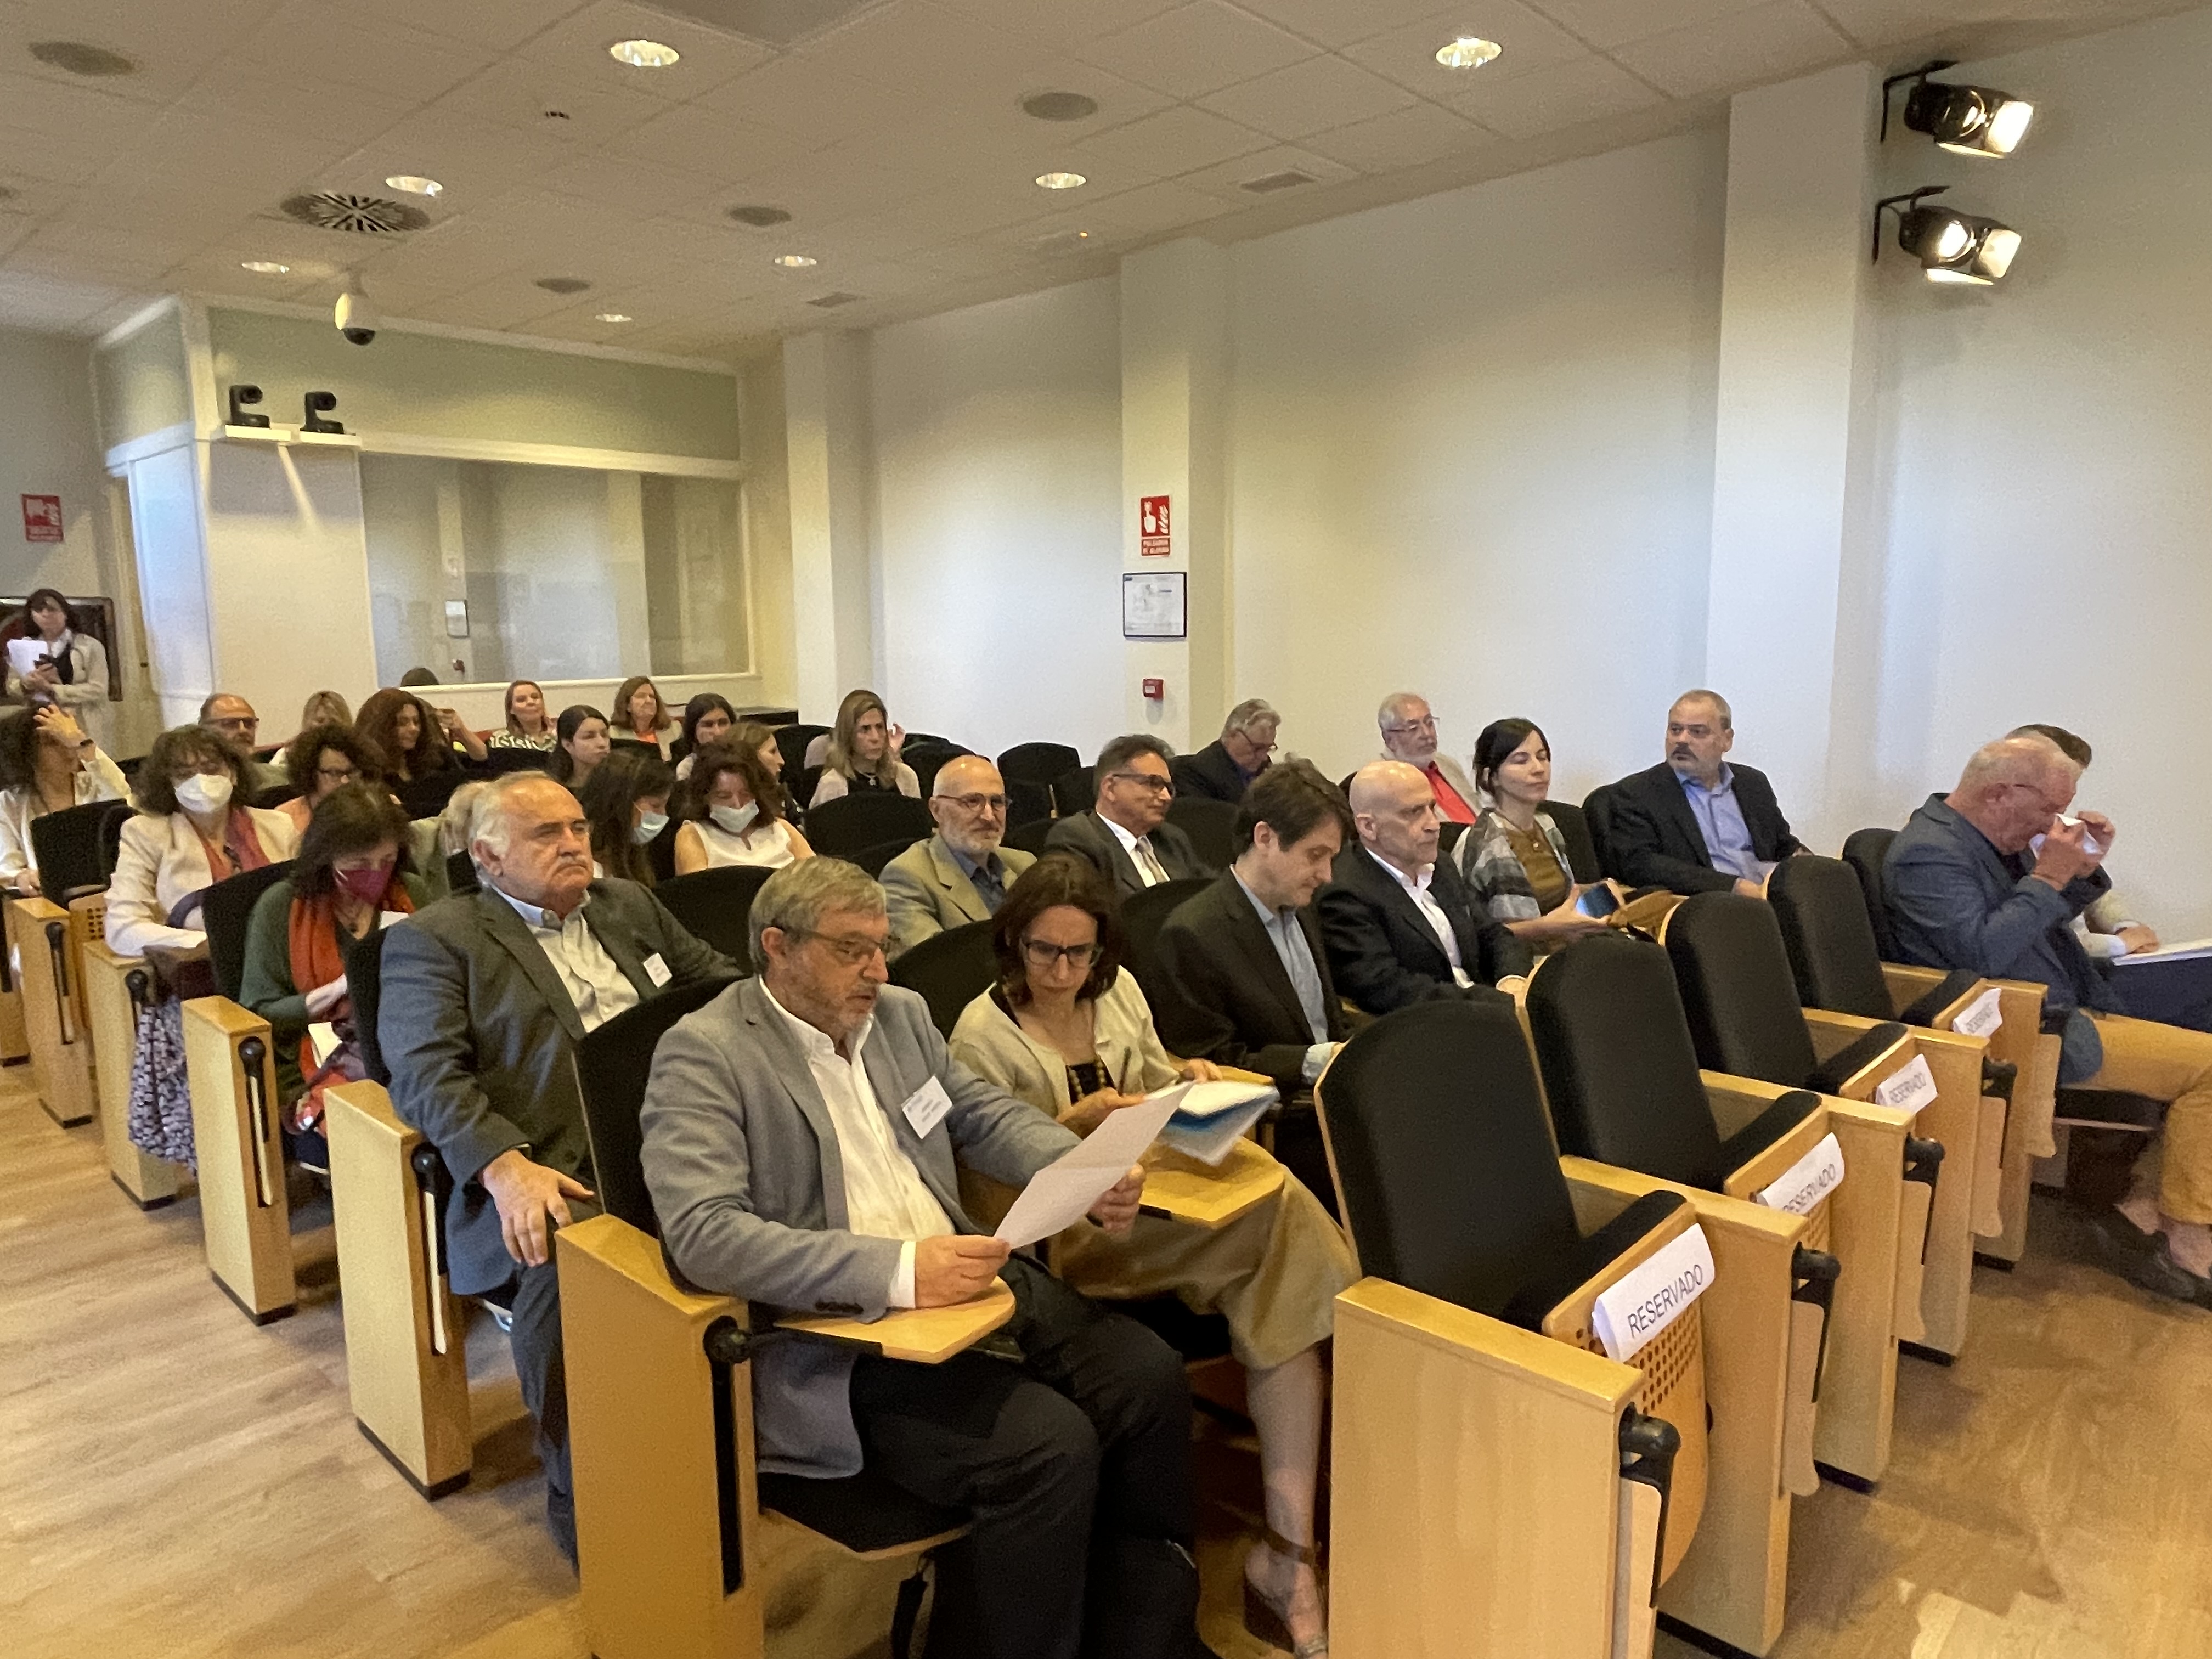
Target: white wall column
<point>1174,396</point>
<point>1789,641</point>
<point>825,399</point>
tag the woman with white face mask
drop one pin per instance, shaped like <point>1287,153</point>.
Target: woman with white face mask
<point>739,815</point>
<point>626,801</point>
<point>192,829</point>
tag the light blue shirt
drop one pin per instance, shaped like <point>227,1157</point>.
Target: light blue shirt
<point>1719,820</point>
<point>1290,942</point>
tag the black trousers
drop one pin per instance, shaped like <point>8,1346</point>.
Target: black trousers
<point>1074,1465</point>
<point>536,1339</point>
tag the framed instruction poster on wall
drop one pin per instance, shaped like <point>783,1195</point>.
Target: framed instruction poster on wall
<point>1154,605</point>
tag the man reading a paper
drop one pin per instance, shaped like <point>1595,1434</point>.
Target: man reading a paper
<point>799,1138</point>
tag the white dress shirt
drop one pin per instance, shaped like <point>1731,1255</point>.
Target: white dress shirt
<point>1150,870</point>
<point>594,982</point>
<point>884,1194</point>
<point>1417,889</point>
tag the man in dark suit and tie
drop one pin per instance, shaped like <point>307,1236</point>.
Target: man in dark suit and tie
<point>1244,974</point>
<point>1694,823</point>
<point>1125,835</point>
<point>1400,925</point>
<point>1226,768</point>
<point>483,997</point>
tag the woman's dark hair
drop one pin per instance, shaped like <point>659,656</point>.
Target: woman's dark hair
<point>697,709</point>
<point>608,798</point>
<point>564,731</point>
<point>1293,799</point>
<point>379,723</point>
<point>19,749</point>
<point>507,705</point>
<point>41,596</point>
<point>355,818</point>
<point>184,745</point>
<point>1055,880</point>
<point>1495,747</point>
<point>304,754</point>
<point>716,758</point>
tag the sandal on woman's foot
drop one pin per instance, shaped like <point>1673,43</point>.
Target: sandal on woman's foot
<point>1270,1623</point>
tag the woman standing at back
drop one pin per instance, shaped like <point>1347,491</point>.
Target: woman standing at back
<point>864,752</point>
<point>72,670</point>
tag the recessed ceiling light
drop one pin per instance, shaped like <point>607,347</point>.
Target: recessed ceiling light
<point>614,317</point>
<point>415,184</point>
<point>795,261</point>
<point>263,267</point>
<point>1468,51</point>
<point>1061,181</point>
<point>644,54</point>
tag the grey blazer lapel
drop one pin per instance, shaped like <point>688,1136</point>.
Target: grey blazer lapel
<point>958,887</point>
<point>795,1075</point>
<point>617,944</point>
<point>501,922</point>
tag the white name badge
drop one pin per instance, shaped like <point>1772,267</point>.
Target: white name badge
<point>1651,1297</point>
<point>1912,1087</point>
<point>1983,1015</point>
<point>1807,1181</point>
<point>657,971</point>
<point>925,1106</point>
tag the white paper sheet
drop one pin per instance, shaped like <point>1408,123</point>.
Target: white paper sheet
<point>2187,951</point>
<point>325,1038</point>
<point>1212,1117</point>
<point>23,655</point>
<point>1059,1194</point>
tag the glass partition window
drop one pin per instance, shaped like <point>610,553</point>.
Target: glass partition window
<point>486,571</point>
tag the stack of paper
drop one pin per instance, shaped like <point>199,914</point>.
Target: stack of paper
<point>2190,952</point>
<point>1211,1117</point>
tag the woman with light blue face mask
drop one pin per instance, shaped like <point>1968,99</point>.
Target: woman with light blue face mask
<point>626,799</point>
<point>739,815</point>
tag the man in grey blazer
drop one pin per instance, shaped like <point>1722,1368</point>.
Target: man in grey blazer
<point>961,873</point>
<point>800,1133</point>
<point>483,997</point>
<point>1125,833</point>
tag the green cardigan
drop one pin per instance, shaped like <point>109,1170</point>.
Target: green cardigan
<point>266,987</point>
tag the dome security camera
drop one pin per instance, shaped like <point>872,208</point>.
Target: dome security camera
<point>355,317</point>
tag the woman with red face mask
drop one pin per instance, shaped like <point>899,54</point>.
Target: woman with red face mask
<point>352,876</point>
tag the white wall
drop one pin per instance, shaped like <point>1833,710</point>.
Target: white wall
<point>2046,450</point>
<point>998,479</point>
<point>1472,456</point>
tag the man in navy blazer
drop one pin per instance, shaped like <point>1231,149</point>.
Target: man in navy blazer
<point>1695,823</point>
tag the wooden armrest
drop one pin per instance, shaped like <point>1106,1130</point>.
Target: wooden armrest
<point>927,1336</point>
<point>1735,1101</point>
<point>1491,1345</point>
<point>1771,1164</point>
<point>231,1018</point>
<point>1831,1033</point>
<point>1207,1195</point>
<point>1714,1210</point>
<point>98,950</point>
<point>39,909</point>
<point>1864,1114</point>
<point>1239,1075</point>
<point>1644,912</point>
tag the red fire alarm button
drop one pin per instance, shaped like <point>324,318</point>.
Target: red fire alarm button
<point>1155,689</point>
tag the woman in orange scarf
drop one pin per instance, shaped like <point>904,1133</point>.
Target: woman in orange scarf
<point>352,876</point>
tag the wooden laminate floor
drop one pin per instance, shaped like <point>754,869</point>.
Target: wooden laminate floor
<point>174,1481</point>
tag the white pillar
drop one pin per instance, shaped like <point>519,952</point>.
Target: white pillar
<point>1790,484</point>
<point>826,439</point>
<point>1175,384</point>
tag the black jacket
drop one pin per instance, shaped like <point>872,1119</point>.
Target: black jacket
<point>1652,839</point>
<point>1087,835</point>
<point>1210,772</point>
<point>1382,949</point>
<point>1226,994</point>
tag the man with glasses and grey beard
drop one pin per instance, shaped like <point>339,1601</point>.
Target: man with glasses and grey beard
<point>1409,734</point>
<point>1125,835</point>
<point>961,873</point>
<point>800,1133</point>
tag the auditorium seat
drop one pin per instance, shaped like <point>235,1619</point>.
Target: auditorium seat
<point>670,1510</point>
<point>498,763</point>
<point>1029,834</point>
<point>1074,790</point>
<point>230,1063</point>
<point>1597,820</point>
<point>1494,1474</point>
<point>49,943</point>
<point>1037,763</point>
<point>1745,1020</point>
<point>1142,916</point>
<point>873,858</point>
<point>792,742</point>
<point>1582,861</point>
<point>67,847</point>
<point>116,988</point>
<point>1027,802</point>
<point>716,905</point>
<point>951,969</point>
<point>851,824</point>
<point>928,759</point>
<point>1619,1069</point>
<point>1211,824</point>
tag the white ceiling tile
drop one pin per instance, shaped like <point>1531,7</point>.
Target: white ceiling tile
<point>32,300</point>
<point>1409,138</point>
<point>703,140</point>
<point>814,101</point>
<point>1770,43</point>
<point>1196,49</point>
<point>1407,55</point>
<point>1063,24</point>
<point>503,302</point>
<point>1173,140</point>
<point>1227,179</point>
<point>1605,24</point>
<point>517,94</point>
<point>1341,22</point>
<point>1148,211</point>
<point>240,91</point>
<point>914,43</point>
<point>89,267</point>
<point>1309,97</point>
<point>1544,100</point>
<point>616,180</point>
<point>475,164</point>
<point>311,39</point>
<point>72,132</point>
<point>170,43</point>
<point>708,56</point>
<point>502,25</point>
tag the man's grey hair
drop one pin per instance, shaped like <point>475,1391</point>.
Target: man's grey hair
<point>2020,758</point>
<point>1698,693</point>
<point>1395,706</point>
<point>490,820</point>
<point>796,898</point>
<point>1250,712</point>
<point>455,822</point>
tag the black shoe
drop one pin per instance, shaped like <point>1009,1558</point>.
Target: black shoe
<point>2144,1260</point>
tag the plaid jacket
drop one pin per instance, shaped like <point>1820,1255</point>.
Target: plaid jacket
<point>1492,869</point>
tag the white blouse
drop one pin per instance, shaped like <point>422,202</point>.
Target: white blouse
<point>98,779</point>
<point>757,846</point>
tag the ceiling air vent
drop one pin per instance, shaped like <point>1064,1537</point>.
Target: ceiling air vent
<point>366,215</point>
<point>1288,178</point>
<point>830,300</point>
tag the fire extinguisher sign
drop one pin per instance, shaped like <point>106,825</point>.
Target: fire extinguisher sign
<point>42,518</point>
<point>1153,536</point>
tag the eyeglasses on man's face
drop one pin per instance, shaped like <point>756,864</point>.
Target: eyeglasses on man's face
<point>1153,781</point>
<point>1043,956</point>
<point>978,803</point>
<point>850,948</point>
<point>1426,723</point>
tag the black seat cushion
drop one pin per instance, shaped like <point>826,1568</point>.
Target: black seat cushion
<point>1581,848</point>
<point>1737,990</point>
<point>1822,911</point>
<point>67,847</point>
<point>613,1063</point>
<point>1037,763</point>
<point>716,905</point>
<point>1832,1073</point>
<point>226,908</point>
<point>1211,825</point>
<point>1556,1280</point>
<point>850,825</point>
<point>950,971</point>
<point>864,1512</point>
<point>1866,851</point>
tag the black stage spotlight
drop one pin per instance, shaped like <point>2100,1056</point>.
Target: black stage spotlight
<point>240,396</point>
<point>1952,246</point>
<point>1972,120</point>
<point>316,404</point>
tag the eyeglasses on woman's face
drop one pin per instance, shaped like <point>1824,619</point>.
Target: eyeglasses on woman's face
<point>1044,957</point>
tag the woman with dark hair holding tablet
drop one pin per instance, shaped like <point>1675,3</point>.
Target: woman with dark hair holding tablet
<point>1513,857</point>
<point>70,666</point>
